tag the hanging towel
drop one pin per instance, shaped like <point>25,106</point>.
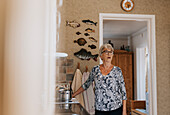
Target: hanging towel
<point>76,84</point>
<point>88,96</point>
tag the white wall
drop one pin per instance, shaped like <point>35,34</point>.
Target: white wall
<point>25,37</point>
<point>118,42</point>
<point>2,22</point>
<point>139,40</point>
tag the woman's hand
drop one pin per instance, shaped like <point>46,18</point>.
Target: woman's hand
<point>80,90</point>
<point>124,112</point>
<point>124,108</point>
<point>73,95</point>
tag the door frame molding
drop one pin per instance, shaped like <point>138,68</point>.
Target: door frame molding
<point>151,46</point>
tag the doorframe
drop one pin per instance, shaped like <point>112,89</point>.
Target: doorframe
<point>151,47</point>
<point>48,93</point>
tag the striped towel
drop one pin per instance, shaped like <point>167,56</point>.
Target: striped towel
<point>88,96</point>
<point>76,84</point>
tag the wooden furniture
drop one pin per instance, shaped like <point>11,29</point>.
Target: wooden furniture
<point>123,59</point>
<point>137,105</point>
<point>136,112</point>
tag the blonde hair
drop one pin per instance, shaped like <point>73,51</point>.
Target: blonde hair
<point>108,46</point>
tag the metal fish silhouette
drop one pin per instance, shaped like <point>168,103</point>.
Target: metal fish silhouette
<point>72,24</point>
<point>92,46</point>
<point>78,33</point>
<point>89,22</point>
<point>86,34</point>
<point>92,39</point>
<point>80,41</point>
<point>84,55</point>
<point>89,30</point>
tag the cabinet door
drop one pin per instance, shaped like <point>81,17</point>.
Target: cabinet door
<point>115,59</point>
<point>122,63</point>
<point>125,63</point>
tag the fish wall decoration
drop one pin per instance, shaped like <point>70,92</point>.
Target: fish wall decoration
<point>78,33</point>
<point>72,24</point>
<point>92,46</point>
<point>86,34</point>
<point>80,41</point>
<point>84,55</point>
<point>92,39</point>
<point>89,22</point>
<point>89,30</point>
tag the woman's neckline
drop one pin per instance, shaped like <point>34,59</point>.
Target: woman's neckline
<point>106,74</point>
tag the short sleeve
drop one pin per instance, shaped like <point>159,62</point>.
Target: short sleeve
<point>90,79</point>
<point>122,86</point>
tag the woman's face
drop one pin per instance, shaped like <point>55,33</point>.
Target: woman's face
<point>106,55</point>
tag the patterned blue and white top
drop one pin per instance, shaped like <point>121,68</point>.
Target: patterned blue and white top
<point>109,89</point>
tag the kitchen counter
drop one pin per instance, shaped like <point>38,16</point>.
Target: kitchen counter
<point>70,109</point>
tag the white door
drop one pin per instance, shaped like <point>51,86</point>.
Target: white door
<point>141,73</point>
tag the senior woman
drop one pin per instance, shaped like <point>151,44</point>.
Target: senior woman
<point>110,92</point>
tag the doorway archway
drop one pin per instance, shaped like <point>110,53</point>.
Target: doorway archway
<point>150,19</point>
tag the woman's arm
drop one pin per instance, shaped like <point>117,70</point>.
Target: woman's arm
<point>123,90</point>
<point>124,107</point>
<point>80,90</point>
<point>86,85</point>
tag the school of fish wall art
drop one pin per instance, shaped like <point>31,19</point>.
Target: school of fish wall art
<point>92,46</point>
<point>78,33</point>
<point>89,30</point>
<point>86,34</point>
<point>83,54</point>
<point>72,24</point>
<point>89,22</point>
<point>80,41</point>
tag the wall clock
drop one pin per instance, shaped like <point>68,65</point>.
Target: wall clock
<point>127,5</point>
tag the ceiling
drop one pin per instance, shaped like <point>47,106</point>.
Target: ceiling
<point>121,28</point>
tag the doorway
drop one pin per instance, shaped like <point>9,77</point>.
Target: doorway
<point>150,53</point>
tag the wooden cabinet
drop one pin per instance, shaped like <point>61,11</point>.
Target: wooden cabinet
<point>123,59</point>
<point>138,104</point>
<point>135,112</point>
